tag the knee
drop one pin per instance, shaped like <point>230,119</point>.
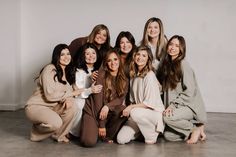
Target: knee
<point>125,136</point>
<point>137,116</point>
<point>88,142</point>
<point>57,124</point>
<point>168,119</point>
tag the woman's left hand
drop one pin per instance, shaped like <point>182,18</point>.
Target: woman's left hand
<point>102,132</point>
<point>104,112</point>
<point>127,110</point>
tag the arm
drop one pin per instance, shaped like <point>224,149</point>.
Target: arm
<point>185,97</point>
<point>53,90</point>
<point>151,93</point>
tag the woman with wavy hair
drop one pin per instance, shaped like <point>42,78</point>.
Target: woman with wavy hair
<point>155,39</point>
<point>51,108</point>
<point>102,111</point>
<point>185,113</point>
<point>146,106</point>
<point>84,68</point>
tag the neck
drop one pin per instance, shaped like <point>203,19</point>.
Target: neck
<point>98,46</point>
<point>140,68</point>
<point>153,41</point>
<point>114,73</point>
<point>123,57</point>
<point>89,65</point>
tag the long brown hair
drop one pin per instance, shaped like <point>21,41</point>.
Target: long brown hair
<point>148,67</point>
<point>120,81</point>
<point>170,73</point>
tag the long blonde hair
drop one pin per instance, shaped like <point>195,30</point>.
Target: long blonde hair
<point>162,40</point>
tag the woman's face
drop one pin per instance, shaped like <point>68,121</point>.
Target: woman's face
<point>101,37</point>
<point>113,62</point>
<point>90,56</point>
<point>153,29</point>
<point>173,48</point>
<point>141,59</point>
<point>125,45</point>
<point>65,57</point>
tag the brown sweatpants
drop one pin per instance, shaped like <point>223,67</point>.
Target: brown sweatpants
<point>56,121</point>
<point>90,125</point>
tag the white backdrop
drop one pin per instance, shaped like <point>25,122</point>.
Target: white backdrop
<point>31,28</point>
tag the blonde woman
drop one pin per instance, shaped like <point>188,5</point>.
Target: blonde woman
<point>146,106</point>
<point>155,39</point>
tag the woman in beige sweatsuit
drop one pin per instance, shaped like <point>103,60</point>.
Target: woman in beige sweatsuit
<point>51,108</point>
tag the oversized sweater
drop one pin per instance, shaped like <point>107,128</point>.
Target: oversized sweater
<point>190,97</point>
<point>95,102</point>
<point>50,92</point>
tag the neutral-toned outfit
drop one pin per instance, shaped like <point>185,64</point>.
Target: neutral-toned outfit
<point>83,80</point>
<point>148,120</point>
<point>188,106</point>
<point>90,118</point>
<point>46,108</point>
<point>76,44</point>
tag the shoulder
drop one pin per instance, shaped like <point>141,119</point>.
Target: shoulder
<point>150,77</point>
<point>185,65</point>
<point>150,74</point>
<point>49,68</point>
<point>80,40</point>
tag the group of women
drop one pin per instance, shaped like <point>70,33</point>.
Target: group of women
<point>91,91</point>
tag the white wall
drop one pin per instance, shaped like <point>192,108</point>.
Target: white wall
<point>32,28</point>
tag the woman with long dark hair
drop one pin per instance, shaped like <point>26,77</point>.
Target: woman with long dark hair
<point>51,108</point>
<point>185,113</point>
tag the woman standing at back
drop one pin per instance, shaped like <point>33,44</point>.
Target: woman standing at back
<point>155,39</point>
<point>99,36</point>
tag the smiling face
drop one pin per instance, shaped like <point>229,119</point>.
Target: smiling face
<point>153,30</point>
<point>173,48</point>
<point>113,63</point>
<point>65,57</point>
<point>90,56</point>
<point>141,59</point>
<point>125,45</point>
<point>100,37</point>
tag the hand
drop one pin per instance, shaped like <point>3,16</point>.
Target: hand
<point>104,112</point>
<point>168,112</point>
<point>102,132</point>
<point>68,103</point>
<point>78,91</point>
<point>126,111</point>
<point>96,88</point>
<point>94,75</point>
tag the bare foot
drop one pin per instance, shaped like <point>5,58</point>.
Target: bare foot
<point>194,136</point>
<point>202,133</point>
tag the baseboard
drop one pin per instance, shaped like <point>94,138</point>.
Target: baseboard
<point>10,107</point>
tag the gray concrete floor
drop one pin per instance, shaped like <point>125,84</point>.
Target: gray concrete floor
<point>14,135</point>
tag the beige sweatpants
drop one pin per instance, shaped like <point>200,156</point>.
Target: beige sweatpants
<point>179,124</point>
<point>48,121</point>
<point>144,121</point>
